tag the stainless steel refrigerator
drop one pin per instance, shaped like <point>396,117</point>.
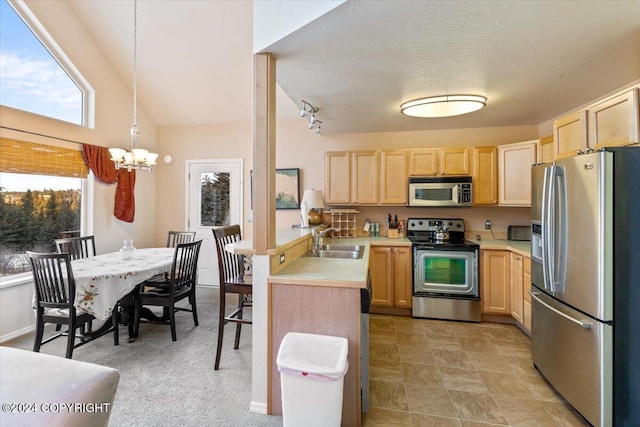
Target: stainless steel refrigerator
<point>585,271</point>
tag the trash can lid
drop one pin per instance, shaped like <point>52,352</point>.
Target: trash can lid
<point>313,354</point>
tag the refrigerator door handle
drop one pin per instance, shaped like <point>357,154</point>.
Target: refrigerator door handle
<point>580,323</point>
<point>546,224</point>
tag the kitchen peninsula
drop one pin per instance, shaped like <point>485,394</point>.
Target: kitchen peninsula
<point>319,296</point>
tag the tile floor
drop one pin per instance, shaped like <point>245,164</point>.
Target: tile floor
<point>442,373</point>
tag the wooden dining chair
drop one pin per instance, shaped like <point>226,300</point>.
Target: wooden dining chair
<point>77,247</point>
<point>55,291</point>
<point>174,238</point>
<point>181,284</point>
<point>233,280</point>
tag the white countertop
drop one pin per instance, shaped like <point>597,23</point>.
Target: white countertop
<point>522,247</point>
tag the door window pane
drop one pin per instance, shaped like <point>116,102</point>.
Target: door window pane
<point>214,199</point>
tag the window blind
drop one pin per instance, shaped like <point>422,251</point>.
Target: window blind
<point>40,159</point>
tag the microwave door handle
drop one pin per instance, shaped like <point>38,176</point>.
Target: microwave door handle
<point>456,193</point>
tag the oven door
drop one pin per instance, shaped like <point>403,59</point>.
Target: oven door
<point>445,273</point>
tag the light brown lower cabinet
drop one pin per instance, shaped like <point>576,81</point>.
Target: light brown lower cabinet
<point>391,279</point>
<point>517,269</point>
<point>496,281</point>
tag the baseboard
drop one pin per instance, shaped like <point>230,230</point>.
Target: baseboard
<point>18,333</point>
<point>258,407</point>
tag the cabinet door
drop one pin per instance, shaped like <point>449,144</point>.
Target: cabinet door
<point>496,282</point>
<point>380,265</point>
<point>365,177</point>
<point>570,134</point>
<point>614,121</point>
<point>514,172</point>
<point>485,176</point>
<point>393,185</point>
<point>402,277</point>
<point>423,162</point>
<point>337,177</point>
<point>517,269</point>
<point>547,149</point>
<point>454,161</point>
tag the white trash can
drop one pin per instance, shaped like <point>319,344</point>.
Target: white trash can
<point>312,369</point>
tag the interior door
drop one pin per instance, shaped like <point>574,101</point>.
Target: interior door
<point>215,199</point>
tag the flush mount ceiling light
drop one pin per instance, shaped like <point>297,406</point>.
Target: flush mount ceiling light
<point>443,106</point>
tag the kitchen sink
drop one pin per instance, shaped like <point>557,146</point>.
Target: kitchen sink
<point>338,251</point>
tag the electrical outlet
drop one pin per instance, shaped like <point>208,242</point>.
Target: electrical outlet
<point>281,258</point>
<point>487,224</point>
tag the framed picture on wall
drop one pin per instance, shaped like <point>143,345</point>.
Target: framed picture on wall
<point>288,188</point>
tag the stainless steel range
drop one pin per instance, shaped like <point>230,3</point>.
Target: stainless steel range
<point>445,270</point>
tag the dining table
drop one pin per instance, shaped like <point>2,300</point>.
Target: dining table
<point>105,282</point>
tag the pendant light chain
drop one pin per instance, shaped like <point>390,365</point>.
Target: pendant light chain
<point>134,129</point>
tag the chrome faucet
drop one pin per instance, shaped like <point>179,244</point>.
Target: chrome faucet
<point>318,236</point>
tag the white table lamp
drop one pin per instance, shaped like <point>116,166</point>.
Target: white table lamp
<point>312,199</point>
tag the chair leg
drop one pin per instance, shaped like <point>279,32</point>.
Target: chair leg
<point>221,323</point>
<point>71,340</point>
<point>236,344</point>
<point>194,310</point>
<point>136,314</point>
<point>116,331</point>
<point>172,319</point>
<point>39,333</point>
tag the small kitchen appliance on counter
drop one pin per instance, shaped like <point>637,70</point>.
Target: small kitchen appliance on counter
<point>519,232</point>
<point>445,270</point>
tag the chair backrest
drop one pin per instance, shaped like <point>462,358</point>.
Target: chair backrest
<point>184,269</point>
<point>53,280</point>
<point>77,247</point>
<point>230,265</point>
<point>174,238</point>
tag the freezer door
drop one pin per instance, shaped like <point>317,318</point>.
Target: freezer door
<point>579,241</point>
<point>574,353</point>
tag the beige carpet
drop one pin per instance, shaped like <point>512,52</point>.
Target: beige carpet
<point>166,383</point>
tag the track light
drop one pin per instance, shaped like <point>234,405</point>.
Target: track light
<point>310,110</point>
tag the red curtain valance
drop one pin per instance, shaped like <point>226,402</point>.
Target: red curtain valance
<point>99,161</point>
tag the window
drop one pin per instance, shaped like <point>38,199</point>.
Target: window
<point>41,193</point>
<point>35,75</point>
<point>35,210</point>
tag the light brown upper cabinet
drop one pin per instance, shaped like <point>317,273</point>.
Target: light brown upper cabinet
<point>614,121</point>
<point>439,161</point>
<point>485,176</point>
<point>547,149</point>
<point>364,178</point>
<point>337,177</point>
<point>514,172</point>
<point>570,134</point>
<point>393,176</point>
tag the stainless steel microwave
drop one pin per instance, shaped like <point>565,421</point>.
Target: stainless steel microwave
<point>443,191</point>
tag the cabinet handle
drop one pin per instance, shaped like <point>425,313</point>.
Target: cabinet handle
<point>518,258</point>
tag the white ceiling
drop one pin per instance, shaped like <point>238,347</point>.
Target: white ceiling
<point>533,60</point>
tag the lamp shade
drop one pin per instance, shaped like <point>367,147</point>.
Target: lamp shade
<point>313,199</point>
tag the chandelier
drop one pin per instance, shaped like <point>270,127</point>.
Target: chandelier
<point>137,158</point>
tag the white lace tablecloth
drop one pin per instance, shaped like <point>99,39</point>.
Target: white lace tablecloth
<point>102,280</point>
